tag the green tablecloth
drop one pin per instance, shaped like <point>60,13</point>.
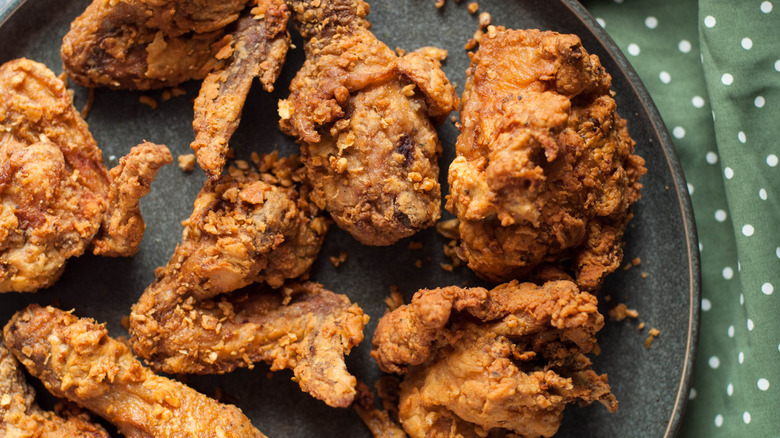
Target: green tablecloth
<point>713,70</point>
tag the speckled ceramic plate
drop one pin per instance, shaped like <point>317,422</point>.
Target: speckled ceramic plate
<point>651,384</point>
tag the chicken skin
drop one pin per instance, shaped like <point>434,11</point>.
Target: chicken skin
<point>363,117</point>
<point>76,359</point>
<point>545,174</point>
<point>56,196</point>
<point>248,228</point>
<point>492,363</point>
<point>20,416</point>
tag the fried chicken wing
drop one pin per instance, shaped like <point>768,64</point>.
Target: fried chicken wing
<point>259,47</point>
<point>246,229</point>
<point>481,362</point>
<point>20,416</point>
<point>76,359</point>
<point>545,174</point>
<point>56,195</point>
<point>363,118</point>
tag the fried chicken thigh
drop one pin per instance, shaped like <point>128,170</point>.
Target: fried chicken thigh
<point>363,117</point>
<point>76,359</point>
<point>498,362</point>
<point>249,228</point>
<point>20,416</point>
<point>56,196</point>
<point>545,174</point>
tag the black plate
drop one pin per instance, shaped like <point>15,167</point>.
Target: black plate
<point>651,385</point>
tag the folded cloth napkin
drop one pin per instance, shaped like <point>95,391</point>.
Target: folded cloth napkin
<point>713,70</point>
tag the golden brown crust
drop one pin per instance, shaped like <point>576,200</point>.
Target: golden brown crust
<point>504,360</point>
<point>545,170</point>
<point>76,359</point>
<point>362,116</point>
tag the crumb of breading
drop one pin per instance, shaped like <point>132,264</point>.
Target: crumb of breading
<point>125,321</point>
<point>654,332</point>
<point>418,263</point>
<point>596,350</point>
<point>473,7</point>
<point>338,260</point>
<point>448,228</point>
<point>636,261</point>
<point>644,274</point>
<point>478,35</point>
<point>621,312</point>
<point>608,298</point>
<point>395,299</point>
<point>484,20</point>
<point>148,101</point>
<point>230,153</point>
<point>447,266</point>
<point>440,3</point>
<point>470,44</point>
<point>88,106</point>
<point>415,245</point>
<point>641,326</point>
<point>451,251</point>
<point>186,162</point>
<point>399,51</point>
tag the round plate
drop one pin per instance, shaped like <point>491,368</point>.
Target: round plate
<point>651,384</point>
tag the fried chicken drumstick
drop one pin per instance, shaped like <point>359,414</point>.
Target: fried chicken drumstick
<point>21,417</point>
<point>56,196</point>
<point>363,118</point>
<point>545,173</point>
<point>246,229</point>
<point>502,361</point>
<point>76,359</point>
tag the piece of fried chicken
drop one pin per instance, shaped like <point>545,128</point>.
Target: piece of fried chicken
<point>545,173</point>
<point>502,361</point>
<point>247,228</point>
<point>76,359</point>
<point>20,416</point>
<point>56,196</point>
<point>363,118</point>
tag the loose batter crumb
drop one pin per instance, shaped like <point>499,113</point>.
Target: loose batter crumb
<point>148,101</point>
<point>415,245</point>
<point>338,260</point>
<point>473,7</point>
<point>395,299</point>
<point>186,162</point>
<point>621,312</point>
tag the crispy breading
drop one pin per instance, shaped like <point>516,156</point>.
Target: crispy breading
<point>506,360</point>
<point>76,359</point>
<point>56,195</point>
<point>363,118</point>
<point>545,173</point>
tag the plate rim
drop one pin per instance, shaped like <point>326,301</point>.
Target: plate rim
<point>680,186</point>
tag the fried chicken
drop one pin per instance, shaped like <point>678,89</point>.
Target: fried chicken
<point>20,416</point>
<point>249,228</point>
<point>56,196</point>
<point>259,47</point>
<point>503,361</point>
<point>545,174</point>
<point>143,44</point>
<point>76,359</point>
<point>363,118</point>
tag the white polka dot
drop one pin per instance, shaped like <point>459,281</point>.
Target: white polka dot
<point>651,22</point>
<point>601,21</point>
<point>728,273</point>
<point>759,102</point>
<point>771,160</point>
<point>767,288</point>
<point>762,194</point>
<point>741,357</point>
<point>706,305</point>
<point>720,216</point>
<point>690,189</point>
<point>711,157</point>
<point>746,417</point>
<point>698,101</point>
<point>633,49</point>
<point>763,384</point>
<point>731,331</point>
<point>678,132</point>
<point>701,246</point>
<point>728,173</point>
<point>777,251</point>
<point>727,79</point>
<point>684,46</point>
<point>748,230</point>
<point>665,77</point>
<point>750,325</point>
<point>739,266</point>
<point>730,389</point>
<point>747,43</point>
<point>741,137</point>
<point>742,299</point>
<point>692,394</point>
<point>718,420</point>
<point>714,362</point>
<point>709,21</point>
<point>766,7</point>
<point>777,65</point>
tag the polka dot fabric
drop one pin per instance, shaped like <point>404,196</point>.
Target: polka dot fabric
<point>713,70</point>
